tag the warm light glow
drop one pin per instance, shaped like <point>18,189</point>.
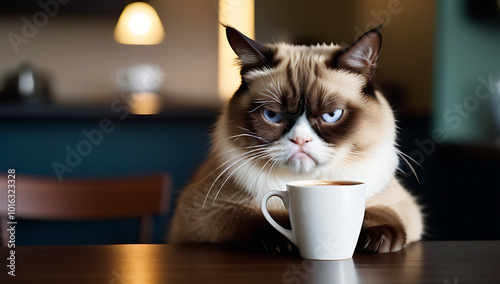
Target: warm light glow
<point>241,15</point>
<point>139,24</point>
<point>126,267</point>
<point>144,103</point>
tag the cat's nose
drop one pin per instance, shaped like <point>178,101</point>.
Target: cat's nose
<point>300,140</point>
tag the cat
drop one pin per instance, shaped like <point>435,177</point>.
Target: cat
<point>300,113</point>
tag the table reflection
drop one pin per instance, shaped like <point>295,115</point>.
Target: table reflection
<point>321,271</point>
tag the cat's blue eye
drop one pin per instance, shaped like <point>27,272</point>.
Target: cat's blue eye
<point>332,117</point>
<point>272,116</point>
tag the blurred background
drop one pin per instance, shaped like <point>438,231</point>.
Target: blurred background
<point>63,71</point>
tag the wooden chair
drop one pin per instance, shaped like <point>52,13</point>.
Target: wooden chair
<point>44,198</point>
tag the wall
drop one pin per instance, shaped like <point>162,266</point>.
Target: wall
<point>81,55</point>
<point>467,56</point>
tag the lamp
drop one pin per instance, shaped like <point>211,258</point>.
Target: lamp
<point>139,24</point>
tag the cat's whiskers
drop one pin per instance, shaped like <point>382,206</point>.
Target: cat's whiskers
<point>399,169</point>
<point>247,130</point>
<point>275,86</point>
<point>262,102</point>
<point>404,156</point>
<point>279,88</point>
<point>221,144</point>
<point>235,157</point>
<point>411,159</point>
<point>240,158</point>
<point>271,168</point>
<point>242,148</point>
<point>271,158</point>
<point>276,99</point>
<point>260,105</point>
<point>243,128</point>
<point>238,136</point>
<point>261,155</point>
<point>274,82</point>
<point>259,148</point>
<point>274,95</point>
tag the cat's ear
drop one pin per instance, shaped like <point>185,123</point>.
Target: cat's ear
<point>250,52</point>
<point>362,56</point>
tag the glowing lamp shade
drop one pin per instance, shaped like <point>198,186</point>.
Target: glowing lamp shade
<point>139,24</point>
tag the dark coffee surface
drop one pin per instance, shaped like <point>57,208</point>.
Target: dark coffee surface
<point>323,183</point>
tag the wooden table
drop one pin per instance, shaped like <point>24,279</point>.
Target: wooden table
<point>426,262</point>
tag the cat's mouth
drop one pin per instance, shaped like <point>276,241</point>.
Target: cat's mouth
<point>302,161</point>
<point>302,156</point>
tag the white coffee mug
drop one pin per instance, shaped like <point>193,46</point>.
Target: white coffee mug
<point>325,216</point>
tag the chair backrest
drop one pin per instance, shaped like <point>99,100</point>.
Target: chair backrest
<point>44,198</point>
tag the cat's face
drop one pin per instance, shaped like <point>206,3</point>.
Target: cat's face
<point>302,108</point>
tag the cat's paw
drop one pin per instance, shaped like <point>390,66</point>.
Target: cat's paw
<point>267,239</point>
<point>381,239</point>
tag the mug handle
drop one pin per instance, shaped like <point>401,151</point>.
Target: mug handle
<point>285,196</point>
